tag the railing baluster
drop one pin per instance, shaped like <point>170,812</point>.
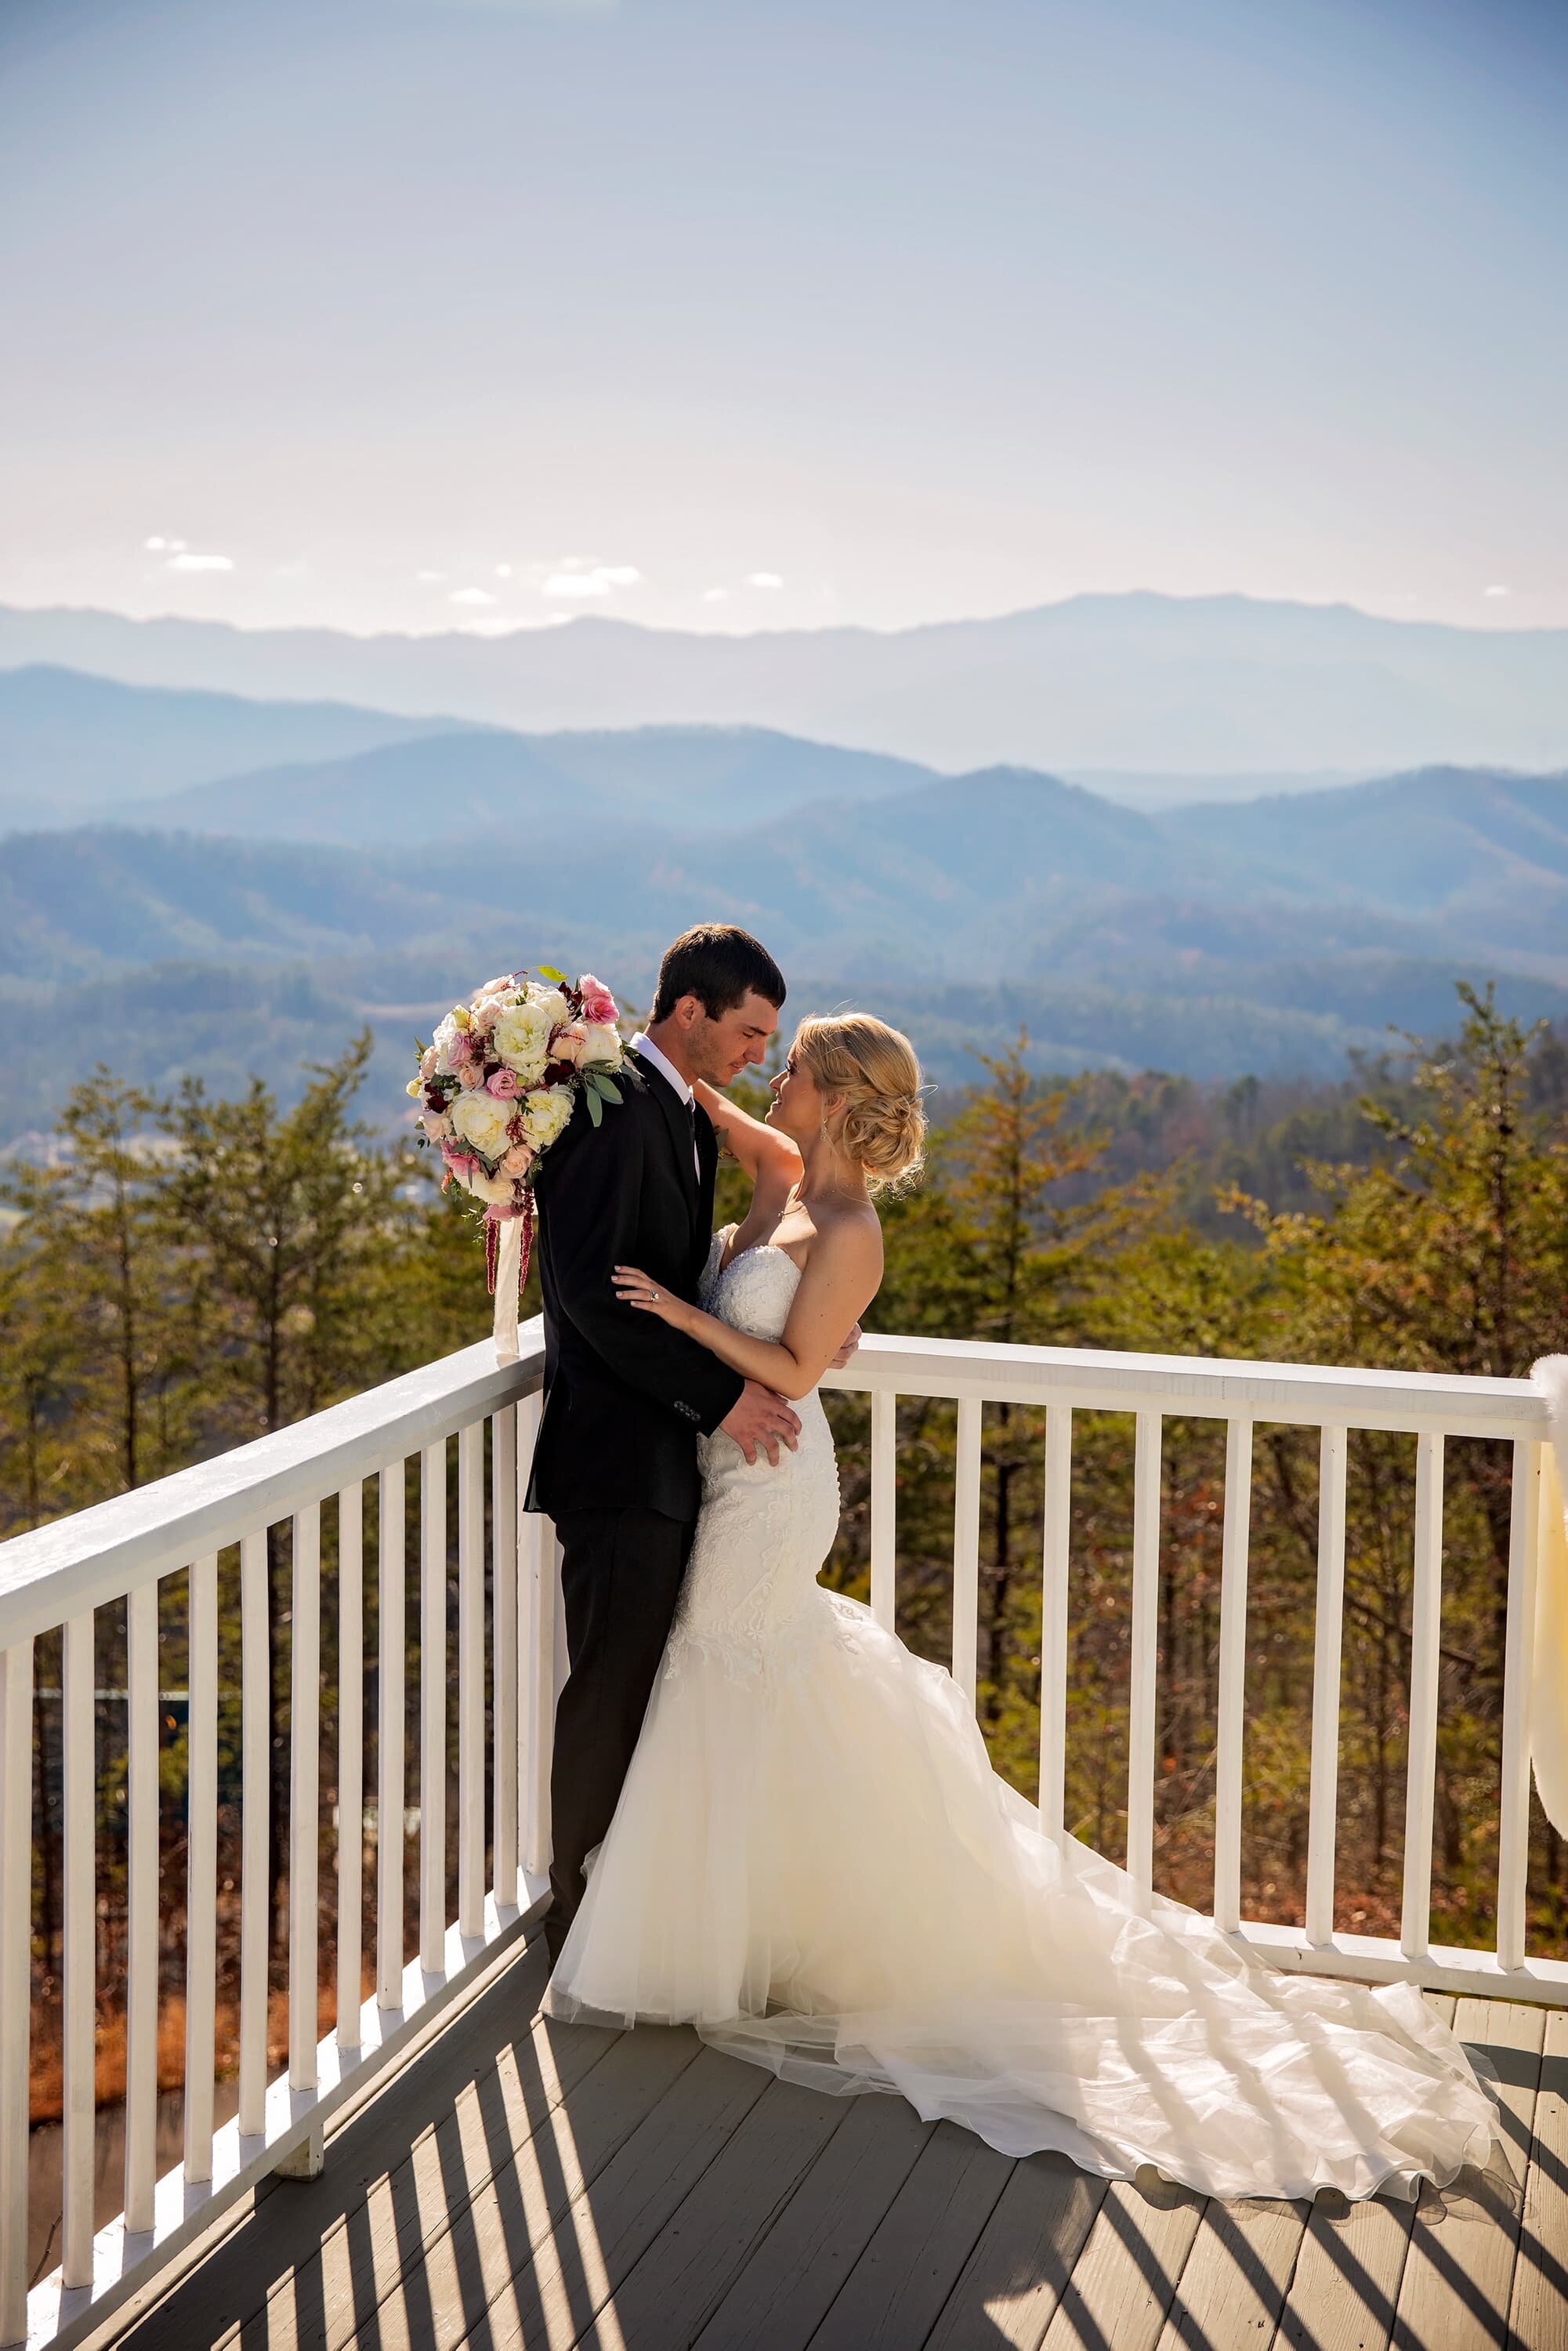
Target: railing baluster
<point>470,1679</point>
<point>1519,1659</point>
<point>433,1707</point>
<point>15,1974</point>
<point>533,1784</point>
<point>504,1654</point>
<point>538,1617</point>
<point>350,1757</point>
<point>884,1504</point>
<point>1426,1636</point>
<point>79,1985</point>
<point>1143,1638</point>
<point>201,1863</point>
<point>304,1797</point>
<point>1053,1617</point>
<point>391,1607</point>
<point>256,1775</point>
<point>140,1906</point>
<point>1322,1800</point>
<point>966,1546</point>
<point>1230,1712</point>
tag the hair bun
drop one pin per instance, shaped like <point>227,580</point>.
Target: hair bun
<point>873,1071</point>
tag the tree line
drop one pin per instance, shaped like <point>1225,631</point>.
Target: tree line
<point>185,1272</point>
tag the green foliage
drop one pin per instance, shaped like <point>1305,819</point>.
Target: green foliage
<point>189,1272</point>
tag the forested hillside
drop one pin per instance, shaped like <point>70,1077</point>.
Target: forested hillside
<point>196,1269</point>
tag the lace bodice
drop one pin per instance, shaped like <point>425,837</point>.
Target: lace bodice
<point>754,1291</point>
<point>764,1532</point>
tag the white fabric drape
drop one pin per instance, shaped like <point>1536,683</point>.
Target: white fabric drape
<point>1548,1686</point>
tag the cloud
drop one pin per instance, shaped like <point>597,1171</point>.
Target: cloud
<point>470,596</point>
<point>763,580</point>
<point>602,580</point>
<point>164,545</point>
<point>715,595</point>
<point>429,576</point>
<point>503,571</point>
<point>199,563</point>
<point>1498,591</point>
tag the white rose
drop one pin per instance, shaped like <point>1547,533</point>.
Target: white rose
<point>440,1045</point>
<point>521,1037</point>
<point>550,1002</point>
<point>545,1114</point>
<point>602,1044</point>
<point>498,1188</point>
<point>482,1121</point>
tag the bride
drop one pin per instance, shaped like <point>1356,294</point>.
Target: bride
<point>812,1861</point>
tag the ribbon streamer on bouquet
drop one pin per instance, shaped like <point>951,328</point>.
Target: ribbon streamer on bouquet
<point>508,1248</point>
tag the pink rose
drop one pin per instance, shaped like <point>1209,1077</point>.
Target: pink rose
<point>567,1044</point>
<point>471,1076</point>
<point>427,1062</point>
<point>518,1160</point>
<point>598,1003</point>
<point>486,1014</point>
<point>502,1083</point>
<point>460,1162</point>
<point>433,1123</point>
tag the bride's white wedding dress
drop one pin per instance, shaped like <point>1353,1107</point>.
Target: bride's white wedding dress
<point>813,1863</point>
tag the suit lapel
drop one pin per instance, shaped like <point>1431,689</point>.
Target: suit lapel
<point>707,1172</point>
<point>679,1126</point>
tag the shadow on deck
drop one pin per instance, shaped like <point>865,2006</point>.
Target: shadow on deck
<point>524,2183</point>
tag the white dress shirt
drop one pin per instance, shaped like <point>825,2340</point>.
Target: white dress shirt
<point>642,1043</point>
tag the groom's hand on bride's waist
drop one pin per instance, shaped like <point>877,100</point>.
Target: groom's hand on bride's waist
<point>758,1418</point>
<point>847,1351</point>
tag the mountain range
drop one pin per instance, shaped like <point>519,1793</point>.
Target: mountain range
<point>1136,682</point>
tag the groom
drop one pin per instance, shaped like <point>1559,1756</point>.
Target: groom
<point>626,1397</point>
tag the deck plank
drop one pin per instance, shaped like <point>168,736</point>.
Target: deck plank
<point>1458,2273</point>
<point>446,2230</point>
<point>568,2261</point>
<point>792,2275</point>
<point>1125,2278</point>
<point>1014,2279</point>
<point>1346,2286</point>
<point>268,2249</point>
<point>1539,2318</point>
<point>667,2298</point>
<point>896,2289</point>
<point>1234,2279</point>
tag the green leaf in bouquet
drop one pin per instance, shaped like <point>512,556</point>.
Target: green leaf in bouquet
<point>549,971</point>
<point>607,1087</point>
<point>595,1107</point>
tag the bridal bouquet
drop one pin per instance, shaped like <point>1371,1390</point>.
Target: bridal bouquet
<point>497,1084</point>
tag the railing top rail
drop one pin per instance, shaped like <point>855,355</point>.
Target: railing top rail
<point>97,1555</point>
<point>1211,1388</point>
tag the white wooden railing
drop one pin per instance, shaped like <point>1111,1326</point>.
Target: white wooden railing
<point>509,1642</point>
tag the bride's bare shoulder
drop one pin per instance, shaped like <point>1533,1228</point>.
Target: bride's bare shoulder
<point>847,1232</point>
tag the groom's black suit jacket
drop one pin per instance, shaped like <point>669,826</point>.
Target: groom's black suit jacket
<point>625,1396</point>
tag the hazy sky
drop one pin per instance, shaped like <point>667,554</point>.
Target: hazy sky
<point>746,313</point>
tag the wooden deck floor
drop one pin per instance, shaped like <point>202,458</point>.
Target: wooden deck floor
<point>525,2184</point>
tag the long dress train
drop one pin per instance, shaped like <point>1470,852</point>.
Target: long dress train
<point>813,1863</point>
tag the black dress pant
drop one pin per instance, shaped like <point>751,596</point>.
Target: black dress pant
<point>621,1577</point>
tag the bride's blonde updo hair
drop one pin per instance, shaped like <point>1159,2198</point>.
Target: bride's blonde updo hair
<point>872,1070</point>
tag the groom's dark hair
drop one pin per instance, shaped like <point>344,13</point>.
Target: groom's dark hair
<point>720,965</point>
